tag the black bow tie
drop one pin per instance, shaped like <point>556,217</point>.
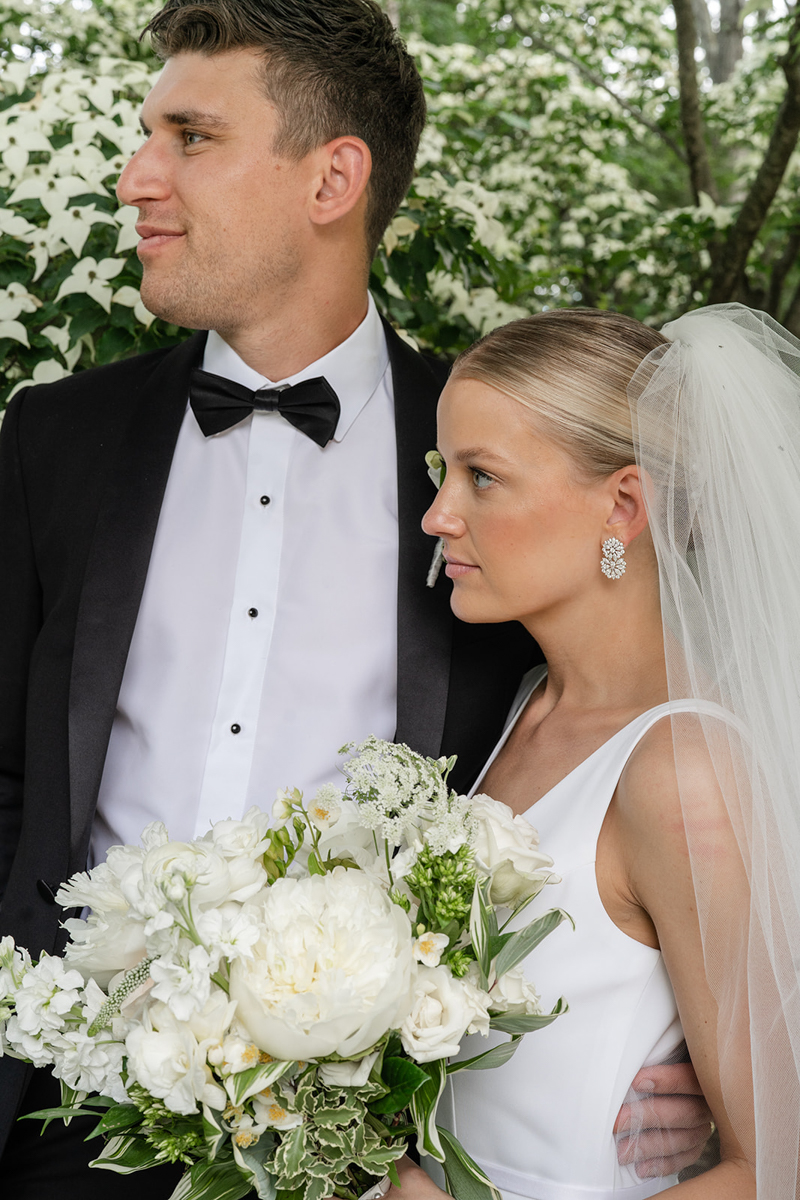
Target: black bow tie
<point>312,405</point>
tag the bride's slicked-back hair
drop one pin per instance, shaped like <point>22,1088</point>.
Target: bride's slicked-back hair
<point>571,368</point>
<point>332,68</point>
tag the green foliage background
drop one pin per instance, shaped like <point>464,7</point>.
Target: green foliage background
<point>550,174</point>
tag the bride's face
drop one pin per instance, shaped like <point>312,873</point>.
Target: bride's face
<point>522,527</point>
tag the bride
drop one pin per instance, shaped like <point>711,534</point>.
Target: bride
<point>633,499</point>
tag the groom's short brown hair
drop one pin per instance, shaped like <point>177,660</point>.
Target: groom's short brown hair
<point>332,68</point>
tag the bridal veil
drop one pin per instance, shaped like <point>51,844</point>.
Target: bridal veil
<point>716,424</point>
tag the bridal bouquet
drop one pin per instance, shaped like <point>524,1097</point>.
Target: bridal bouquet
<point>274,1004</point>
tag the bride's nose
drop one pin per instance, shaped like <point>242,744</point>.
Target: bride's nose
<point>440,520</point>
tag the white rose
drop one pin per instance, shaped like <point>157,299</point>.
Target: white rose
<point>347,1074</point>
<point>506,848</point>
<point>165,1058</point>
<point>514,993</point>
<point>444,1010</point>
<point>105,944</point>
<point>331,972</point>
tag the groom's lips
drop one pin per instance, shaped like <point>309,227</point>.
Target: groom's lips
<point>457,570</point>
<point>154,237</point>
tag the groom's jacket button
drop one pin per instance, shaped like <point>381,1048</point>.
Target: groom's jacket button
<point>236,728</point>
<point>47,892</point>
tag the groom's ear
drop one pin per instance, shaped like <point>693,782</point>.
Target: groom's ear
<point>343,168</point>
<point>628,511</point>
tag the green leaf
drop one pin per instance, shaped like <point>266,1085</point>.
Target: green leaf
<point>465,1179</point>
<point>334,1117</point>
<point>424,1103</point>
<point>252,1160</point>
<point>315,867</point>
<point>213,1131</point>
<point>213,1181</point>
<point>48,1115</point>
<point>482,927</point>
<point>402,1077</point>
<point>70,1098</point>
<point>490,1058</point>
<point>126,1155</point>
<point>519,1024</point>
<point>521,943</point>
<point>245,1084</point>
<point>117,1119</point>
<point>292,1150</point>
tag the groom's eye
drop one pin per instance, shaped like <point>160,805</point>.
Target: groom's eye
<point>481,479</point>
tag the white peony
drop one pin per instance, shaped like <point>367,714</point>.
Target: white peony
<point>444,1010</point>
<point>331,972</point>
<point>506,848</point>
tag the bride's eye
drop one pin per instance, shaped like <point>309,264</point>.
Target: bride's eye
<point>481,479</point>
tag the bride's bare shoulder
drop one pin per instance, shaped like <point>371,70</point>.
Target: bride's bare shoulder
<point>674,784</point>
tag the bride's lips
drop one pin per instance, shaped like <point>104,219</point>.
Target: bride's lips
<point>457,570</point>
<point>155,237</point>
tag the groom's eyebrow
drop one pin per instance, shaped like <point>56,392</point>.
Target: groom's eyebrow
<point>190,116</point>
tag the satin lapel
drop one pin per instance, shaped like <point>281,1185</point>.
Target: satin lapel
<point>424,619</point>
<point>115,577</point>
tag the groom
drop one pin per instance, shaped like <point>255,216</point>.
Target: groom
<point>210,583</point>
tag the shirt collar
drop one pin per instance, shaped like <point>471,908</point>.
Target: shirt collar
<point>354,368</point>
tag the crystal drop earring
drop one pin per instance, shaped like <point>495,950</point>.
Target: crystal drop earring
<point>612,564</point>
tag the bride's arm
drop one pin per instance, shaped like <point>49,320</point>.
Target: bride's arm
<point>652,830</point>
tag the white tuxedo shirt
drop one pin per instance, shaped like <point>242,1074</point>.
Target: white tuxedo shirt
<point>267,631</point>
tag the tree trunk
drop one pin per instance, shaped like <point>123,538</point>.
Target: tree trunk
<point>791,317</point>
<point>729,40</point>
<point>731,258</point>
<point>691,117</point>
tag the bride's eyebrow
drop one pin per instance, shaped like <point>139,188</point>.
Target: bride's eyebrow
<point>479,452</point>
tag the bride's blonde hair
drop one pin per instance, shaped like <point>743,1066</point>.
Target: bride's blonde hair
<point>571,367</point>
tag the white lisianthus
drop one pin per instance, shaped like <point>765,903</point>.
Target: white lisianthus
<point>326,807</point>
<point>347,1074</point>
<point>331,972</point>
<point>164,1056</point>
<point>506,849</point>
<point>428,948</point>
<point>514,993</point>
<point>444,1010</point>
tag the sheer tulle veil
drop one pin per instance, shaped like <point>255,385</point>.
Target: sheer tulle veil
<point>716,424</point>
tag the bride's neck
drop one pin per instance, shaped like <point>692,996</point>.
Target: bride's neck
<point>605,649</point>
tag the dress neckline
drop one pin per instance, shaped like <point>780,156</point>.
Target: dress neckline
<point>538,675</point>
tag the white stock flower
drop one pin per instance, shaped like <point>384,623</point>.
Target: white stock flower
<point>46,995</point>
<point>331,972</point>
<point>183,985</point>
<point>506,849</point>
<point>429,947</point>
<point>444,1010</point>
<point>228,930</point>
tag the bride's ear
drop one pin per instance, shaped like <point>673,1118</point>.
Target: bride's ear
<point>628,513</point>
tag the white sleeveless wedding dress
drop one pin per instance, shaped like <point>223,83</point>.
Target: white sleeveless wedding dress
<point>541,1125</point>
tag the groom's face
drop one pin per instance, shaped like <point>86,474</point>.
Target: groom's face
<point>222,218</point>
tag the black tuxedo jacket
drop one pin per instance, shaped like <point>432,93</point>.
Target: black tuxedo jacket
<point>83,468</point>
